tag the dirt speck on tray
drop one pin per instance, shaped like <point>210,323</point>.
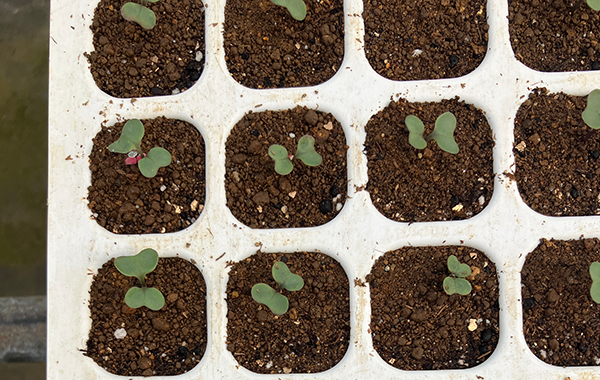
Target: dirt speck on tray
<point>142,342</point>
<point>557,155</point>
<point>412,185</point>
<point>258,196</point>
<point>560,319</point>
<point>415,325</point>
<point>266,48</point>
<point>125,202</point>
<point>130,61</point>
<point>313,336</point>
<point>554,36</point>
<point>425,39</point>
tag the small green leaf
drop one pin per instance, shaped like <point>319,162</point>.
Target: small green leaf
<point>306,151</point>
<point>457,285</point>
<point>443,132</point>
<point>138,265</point>
<point>458,269</point>
<point>415,132</point>
<point>297,8</point>
<point>262,293</point>
<point>283,164</point>
<point>594,4</point>
<point>266,295</point>
<point>595,274</point>
<point>595,271</point>
<point>285,278</point>
<point>130,139</point>
<point>139,14</point>
<point>152,298</point>
<point>591,114</point>
<point>156,159</point>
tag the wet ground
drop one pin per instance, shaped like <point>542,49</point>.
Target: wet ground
<point>23,157</point>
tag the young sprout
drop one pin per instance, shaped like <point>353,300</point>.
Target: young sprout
<point>591,114</point>
<point>130,143</point>
<point>443,133</point>
<point>595,274</point>
<point>277,302</point>
<point>297,8</point>
<point>456,283</point>
<point>139,13</point>
<point>305,153</point>
<point>138,266</point>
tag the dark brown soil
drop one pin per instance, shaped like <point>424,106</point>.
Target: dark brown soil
<point>266,48</point>
<point>560,319</point>
<point>425,39</point>
<point>547,36</point>
<point>415,325</point>
<point>411,185</point>
<point>311,337</point>
<point>309,196</point>
<point>557,156</point>
<point>170,341</point>
<point>130,61</point>
<point>125,202</point>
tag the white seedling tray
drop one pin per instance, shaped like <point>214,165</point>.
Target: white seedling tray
<point>77,246</point>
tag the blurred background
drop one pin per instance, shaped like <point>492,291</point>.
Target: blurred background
<point>23,158</point>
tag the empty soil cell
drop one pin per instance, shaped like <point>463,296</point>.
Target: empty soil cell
<point>425,39</point>
<point>123,201</point>
<point>412,185</point>
<point>170,341</point>
<point>266,48</point>
<point>415,325</point>
<point>560,319</point>
<point>258,196</point>
<point>311,337</point>
<point>556,155</point>
<point>130,61</point>
<point>553,35</point>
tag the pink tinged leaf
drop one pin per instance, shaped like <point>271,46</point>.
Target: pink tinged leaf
<point>132,160</point>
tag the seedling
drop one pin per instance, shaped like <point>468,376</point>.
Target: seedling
<point>297,8</point>
<point>138,266</point>
<point>595,274</point>
<point>139,13</point>
<point>591,114</point>
<point>277,302</point>
<point>130,143</point>
<point>443,133</point>
<point>305,153</point>
<point>456,283</point>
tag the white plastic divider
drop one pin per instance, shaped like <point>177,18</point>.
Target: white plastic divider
<point>506,230</point>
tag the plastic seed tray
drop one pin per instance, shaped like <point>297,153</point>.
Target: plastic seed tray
<point>505,231</point>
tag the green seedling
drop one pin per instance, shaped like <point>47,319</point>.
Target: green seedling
<point>305,153</point>
<point>138,266</point>
<point>591,113</point>
<point>297,8</point>
<point>138,13</point>
<point>443,133</point>
<point>456,283</point>
<point>595,274</point>
<point>130,143</point>
<point>277,302</point>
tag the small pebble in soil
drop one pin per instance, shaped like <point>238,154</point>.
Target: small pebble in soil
<point>453,61</point>
<point>417,353</point>
<point>486,335</point>
<point>528,303</point>
<point>325,206</point>
<point>120,333</point>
